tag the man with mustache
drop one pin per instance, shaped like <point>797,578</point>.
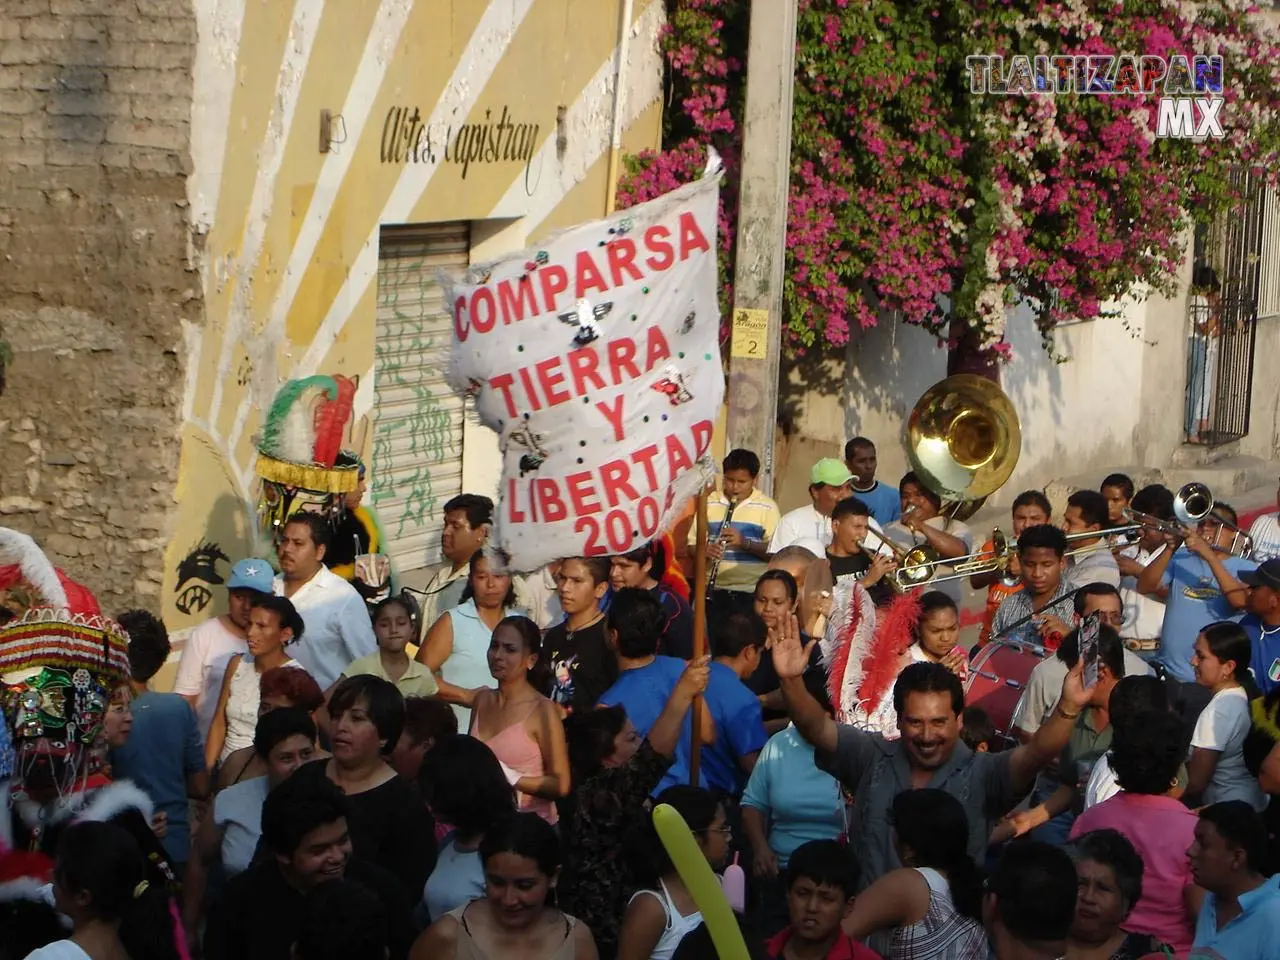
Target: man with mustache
<point>929,701</point>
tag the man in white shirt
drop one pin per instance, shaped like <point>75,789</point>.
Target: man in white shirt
<point>1087,513</point>
<point>829,483</point>
<point>1265,533</point>
<point>1040,696</point>
<point>338,627</point>
<point>210,645</point>
<point>467,518</point>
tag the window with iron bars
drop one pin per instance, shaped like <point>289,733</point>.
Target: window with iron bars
<point>1222,315</point>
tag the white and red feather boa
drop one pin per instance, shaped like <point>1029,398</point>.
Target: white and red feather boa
<point>863,651</point>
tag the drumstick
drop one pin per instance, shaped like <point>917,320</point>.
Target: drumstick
<point>1023,621</point>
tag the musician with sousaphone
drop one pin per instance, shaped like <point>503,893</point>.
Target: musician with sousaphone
<point>963,443</point>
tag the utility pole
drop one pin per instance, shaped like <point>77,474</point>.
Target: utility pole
<point>762,232</point>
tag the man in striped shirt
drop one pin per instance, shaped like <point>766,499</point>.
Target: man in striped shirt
<point>743,549</point>
<point>1042,559</point>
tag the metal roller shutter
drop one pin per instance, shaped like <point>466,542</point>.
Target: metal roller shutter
<point>417,439</point>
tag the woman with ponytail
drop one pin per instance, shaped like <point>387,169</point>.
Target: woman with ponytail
<point>519,722</point>
<point>99,883</point>
<point>932,907</point>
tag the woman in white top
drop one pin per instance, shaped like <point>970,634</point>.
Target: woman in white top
<point>932,907</point>
<point>657,920</point>
<point>1217,771</point>
<point>456,650</point>
<point>99,884</point>
<point>274,623</point>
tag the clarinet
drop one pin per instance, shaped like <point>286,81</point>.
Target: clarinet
<point>723,538</point>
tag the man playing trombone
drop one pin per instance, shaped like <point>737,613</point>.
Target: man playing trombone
<point>922,522</point>
<point>1091,558</point>
<point>853,554</point>
<point>1202,577</point>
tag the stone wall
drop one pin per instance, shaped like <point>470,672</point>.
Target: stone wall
<point>95,105</point>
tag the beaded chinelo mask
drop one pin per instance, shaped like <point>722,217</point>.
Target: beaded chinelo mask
<point>57,674</point>
<point>60,662</point>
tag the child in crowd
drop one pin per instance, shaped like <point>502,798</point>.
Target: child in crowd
<point>395,625</point>
<point>978,732</point>
<point>821,879</point>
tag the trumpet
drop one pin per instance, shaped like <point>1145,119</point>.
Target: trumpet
<point>1192,505</point>
<point>915,565</point>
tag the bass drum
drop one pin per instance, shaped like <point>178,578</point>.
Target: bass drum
<point>997,677</point>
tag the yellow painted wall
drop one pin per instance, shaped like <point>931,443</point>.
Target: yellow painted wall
<point>290,233</point>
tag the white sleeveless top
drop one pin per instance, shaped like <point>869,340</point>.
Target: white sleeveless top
<point>242,706</point>
<point>678,926</point>
<point>942,934</point>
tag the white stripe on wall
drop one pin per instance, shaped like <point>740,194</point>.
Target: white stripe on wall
<point>484,52</point>
<point>297,55</point>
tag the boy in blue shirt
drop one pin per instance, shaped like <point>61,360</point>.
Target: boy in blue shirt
<point>737,643</point>
<point>884,502</point>
<point>1203,583</point>
<point>634,627</point>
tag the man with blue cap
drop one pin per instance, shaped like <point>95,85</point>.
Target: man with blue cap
<point>210,645</point>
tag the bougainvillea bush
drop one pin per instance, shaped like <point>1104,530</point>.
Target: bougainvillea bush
<point>912,196</point>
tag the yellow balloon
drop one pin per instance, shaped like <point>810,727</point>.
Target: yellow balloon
<point>700,880</point>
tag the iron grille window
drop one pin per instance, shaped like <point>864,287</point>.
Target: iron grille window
<point>1222,314</point>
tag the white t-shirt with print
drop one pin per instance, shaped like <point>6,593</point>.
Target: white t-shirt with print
<point>1223,726</point>
<point>204,662</point>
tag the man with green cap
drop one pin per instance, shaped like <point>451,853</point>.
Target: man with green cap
<point>829,482</point>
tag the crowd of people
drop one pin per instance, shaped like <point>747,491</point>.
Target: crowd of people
<point>467,768</point>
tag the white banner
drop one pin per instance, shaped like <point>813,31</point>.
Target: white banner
<point>596,358</point>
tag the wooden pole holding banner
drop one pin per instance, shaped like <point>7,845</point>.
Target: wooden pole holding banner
<point>699,630</point>
<point>699,585</point>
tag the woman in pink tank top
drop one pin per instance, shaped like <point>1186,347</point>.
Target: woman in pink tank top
<point>519,723</point>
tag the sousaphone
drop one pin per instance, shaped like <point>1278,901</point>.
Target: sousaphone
<point>963,441</point>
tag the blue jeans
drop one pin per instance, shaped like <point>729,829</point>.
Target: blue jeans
<point>1056,831</point>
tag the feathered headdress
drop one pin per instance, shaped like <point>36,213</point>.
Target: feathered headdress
<point>28,579</point>
<point>58,663</point>
<point>302,436</point>
<point>300,458</point>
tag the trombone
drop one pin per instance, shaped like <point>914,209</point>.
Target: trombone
<point>1104,535</point>
<point>920,564</point>
<point>1192,505</point>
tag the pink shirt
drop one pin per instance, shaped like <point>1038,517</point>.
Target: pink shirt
<point>1160,829</point>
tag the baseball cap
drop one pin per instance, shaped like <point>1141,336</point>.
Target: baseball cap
<point>831,472</point>
<point>1267,575</point>
<point>252,574</point>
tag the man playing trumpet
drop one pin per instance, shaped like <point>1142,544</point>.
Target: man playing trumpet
<point>1202,577</point>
